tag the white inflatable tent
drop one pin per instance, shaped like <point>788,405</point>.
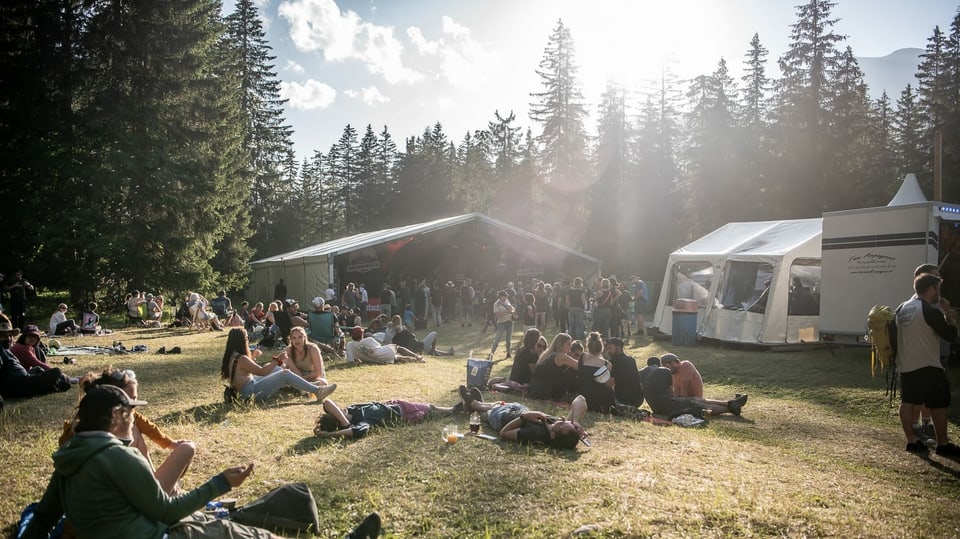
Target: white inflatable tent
<point>754,282</point>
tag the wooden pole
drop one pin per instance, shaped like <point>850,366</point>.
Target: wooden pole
<point>937,166</point>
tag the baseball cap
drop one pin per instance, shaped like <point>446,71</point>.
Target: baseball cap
<point>318,302</point>
<point>31,330</point>
<point>290,302</point>
<point>98,400</point>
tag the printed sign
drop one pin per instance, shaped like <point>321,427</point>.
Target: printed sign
<point>871,263</point>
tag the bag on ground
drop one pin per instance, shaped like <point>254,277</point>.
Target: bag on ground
<point>289,508</point>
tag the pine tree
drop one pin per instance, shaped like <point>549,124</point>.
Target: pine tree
<point>908,135</point>
<point>754,142</point>
<point>712,171</point>
<point>850,150</point>
<point>169,144</point>
<point>266,136</point>
<point>801,116</point>
<point>342,171</point>
<point>881,168</point>
<point>474,179</point>
<point>755,88</point>
<point>560,110</point>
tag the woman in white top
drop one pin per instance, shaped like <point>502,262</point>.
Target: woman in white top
<point>60,324</point>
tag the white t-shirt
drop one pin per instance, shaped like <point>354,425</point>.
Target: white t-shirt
<point>57,319</point>
<point>368,350</point>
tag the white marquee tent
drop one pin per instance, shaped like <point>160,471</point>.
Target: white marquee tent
<point>753,282</point>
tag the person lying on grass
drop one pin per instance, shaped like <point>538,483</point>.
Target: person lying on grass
<point>658,391</point>
<point>357,419</point>
<point>182,451</point>
<point>254,381</point>
<point>515,422</point>
<point>362,349</point>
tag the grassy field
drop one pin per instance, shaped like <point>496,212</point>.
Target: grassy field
<point>817,453</point>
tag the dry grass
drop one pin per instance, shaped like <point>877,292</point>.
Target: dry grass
<point>818,452</point>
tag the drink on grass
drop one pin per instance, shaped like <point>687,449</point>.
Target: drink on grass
<point>475,422</point>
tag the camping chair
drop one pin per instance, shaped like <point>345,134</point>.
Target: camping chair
<point>322,329</point>
<point>284,324</point>
<point>199,318</point>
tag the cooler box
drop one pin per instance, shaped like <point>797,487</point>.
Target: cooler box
<point>684,328</point>
<point>478,372</point>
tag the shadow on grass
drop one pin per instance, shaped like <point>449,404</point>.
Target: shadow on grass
<point>215,413</point>
<point>940,467</point>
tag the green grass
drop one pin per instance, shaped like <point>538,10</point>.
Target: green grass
<point>817,453</point>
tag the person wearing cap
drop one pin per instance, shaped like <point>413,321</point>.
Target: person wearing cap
<point>356,420</point>
<point>658,392</point>
<point>514,422</point>
<point>323,326</point>
<point>624,371</point>
<point>15,381</point>
<point>362,349</point>
<point>289,317</point>
<point>107,489</point>
<point>60,324</point>
<point>251,380</point>
<point>687,381</point>
<point>181,451</point>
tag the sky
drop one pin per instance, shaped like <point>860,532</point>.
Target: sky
<point>407,64</point>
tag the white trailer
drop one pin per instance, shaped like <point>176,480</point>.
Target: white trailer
<point>869,256</point>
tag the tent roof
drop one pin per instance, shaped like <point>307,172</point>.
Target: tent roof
<point>760,237</point>
<point>367,239</point>
<point>909,192</point>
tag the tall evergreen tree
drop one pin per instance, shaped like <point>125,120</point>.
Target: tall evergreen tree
<point>851,149</point>
<point>801,129</point>
<point>342,171</point>
<point>908,131</point>
<point>881,168</point>
<point>474,179</point>
<point>754,141</point>
<point>266,136</point>
<point>559,108</point>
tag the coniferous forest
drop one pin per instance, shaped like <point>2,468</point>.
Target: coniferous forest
<point>144,145</point>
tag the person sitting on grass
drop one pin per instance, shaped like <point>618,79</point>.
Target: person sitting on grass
<point>555,375</point>
<point>197,305</point>
<point>30,353</point>
<point>60,324</point>
<point>357,419</point>
<point>181,451</point>
<point>687,381</point>
<point>107,489</point>
<point>259,382</point>
<point>90,323</point>
<point>524,361</point>
<point>658,391</point>
<point>303,357</point>
<point>362,349</point>
<point>515,422</point>
<point>15,381</point>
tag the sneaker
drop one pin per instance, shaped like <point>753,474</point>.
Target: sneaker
<point>162,350</point>
<point>926,436</point>
<point>466,397</point>
<point>736,404</point>
<point>475,394</point>
<point>948,450</point>
<point>325,391</point>
<point>916,447</point>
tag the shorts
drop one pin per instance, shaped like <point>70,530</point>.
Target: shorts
<point>411,412</point>
<point>926,385</point>
<point>501,414</point>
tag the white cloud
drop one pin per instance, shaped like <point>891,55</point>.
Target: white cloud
<point>293,66</point>
<point>369,95</point>
<point>320,26</point>
<point>310,95</point>
<point>464,61</point>
<point>445,103</point>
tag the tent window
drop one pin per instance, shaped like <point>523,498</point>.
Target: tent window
<point>691,280</point>
<point>747,286</point>
<point>804,288</point>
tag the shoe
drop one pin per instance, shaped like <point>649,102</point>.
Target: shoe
<point>925,434</point>
<point>737,404</point>
<point>325,391</point>
<point>174,350</point>
<point>457,408</point>
<point>948,450</point>
<point>475,394</point>
<point>466,397</point>
<point>368,529</point>
<point>162,350</point>
<point>916,447</point>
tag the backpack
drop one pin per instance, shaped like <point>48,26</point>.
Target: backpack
<point>291,508</point>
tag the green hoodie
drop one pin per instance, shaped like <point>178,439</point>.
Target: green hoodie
<point>108,490</point>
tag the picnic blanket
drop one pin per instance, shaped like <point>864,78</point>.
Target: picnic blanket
<point>87,351</point>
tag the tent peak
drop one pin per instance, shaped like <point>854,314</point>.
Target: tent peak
<point>909,192</point>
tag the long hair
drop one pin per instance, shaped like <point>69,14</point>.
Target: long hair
<point>292,351</point>
<point>237,343</point>
<point>530,338</point>
<point>109,377</point>
<point>558,341</point>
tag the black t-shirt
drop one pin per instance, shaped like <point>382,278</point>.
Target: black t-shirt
<point>575,297</point>
<point>628,387</point>
<point>658,389</point>
<point>371,414</point>
<point>522,363</point>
